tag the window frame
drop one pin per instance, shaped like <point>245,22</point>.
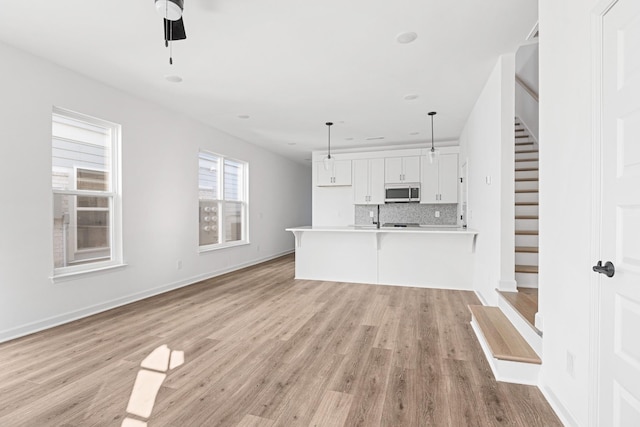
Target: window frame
<point>221,202</point>
<point>114,195</point>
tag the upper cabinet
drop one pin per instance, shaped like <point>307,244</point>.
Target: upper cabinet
<point>439,179</point>
<point>368,182</point>
<point>398,170</point>
<point>338,175</point>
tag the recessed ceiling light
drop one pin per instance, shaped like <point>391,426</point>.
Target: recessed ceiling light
<point>407,37</point>
<point>411,96</point>
<point>373,138</point>
<point>243,116</point>
<point>414,133</point>
<point>173,78</point>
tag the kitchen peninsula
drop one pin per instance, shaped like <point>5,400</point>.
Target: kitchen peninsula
<point>429,257</point>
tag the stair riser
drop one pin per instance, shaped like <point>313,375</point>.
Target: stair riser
<point>526,240</point>
<point>526,224</point>
<point>511,372</point>
<point>526,210</point>
<point>525,155</point>
<point>523,147</point>
<point>522,165</point>
<point>526,185</point>
<point>526,174</point>
<point>526,258</point>
<point>526,197</point>
<point>527,280</point>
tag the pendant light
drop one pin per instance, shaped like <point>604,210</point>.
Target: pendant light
<point>432,153</point>
<point>328,161</point>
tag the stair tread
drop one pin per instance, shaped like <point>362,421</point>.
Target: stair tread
<point>525,303</point>
<point>526,269</point>
<point>527,217</point>
<point>527,191</point>
<point>527,232</point>
<point>526,169</point>
<point>527,249</point>
<point>527,160</point>
<point>526,179</point>
<point>522,136</point>
<point>526,203</point>
<point>503,339</point>
<point>527,152</point>
<point>524,143</point>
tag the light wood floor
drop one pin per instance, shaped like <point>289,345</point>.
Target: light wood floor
<point>263,349</point>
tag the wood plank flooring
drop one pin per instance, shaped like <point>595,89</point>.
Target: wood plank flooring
<point>263,349</point>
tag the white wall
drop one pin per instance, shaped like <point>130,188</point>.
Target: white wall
<point>527,69</point>
<point>565,199</point>
<point>160,197</point>
<point>486,144</point>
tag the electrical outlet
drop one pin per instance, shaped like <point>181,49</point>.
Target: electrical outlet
<point>570,363</point>
<point>437,214</point>
<point>370,214</point>
<point>179,264</point>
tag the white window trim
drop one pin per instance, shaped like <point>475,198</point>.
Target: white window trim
<point>221,202</point>
<point>115,220</point>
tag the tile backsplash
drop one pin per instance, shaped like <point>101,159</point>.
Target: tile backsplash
<point>408,212</point>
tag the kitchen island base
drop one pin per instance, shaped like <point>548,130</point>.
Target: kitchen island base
<point>421,257</point>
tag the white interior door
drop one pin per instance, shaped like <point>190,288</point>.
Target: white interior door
<point>619,374</point>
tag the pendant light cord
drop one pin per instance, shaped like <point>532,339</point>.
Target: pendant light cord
<point>432,113</point>
<point>329,144</point>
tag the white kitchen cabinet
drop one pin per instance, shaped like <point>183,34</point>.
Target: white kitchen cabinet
<point>439,182</point>
<point>338,175</point>
<point>368,181</point>
<point>399,170</point>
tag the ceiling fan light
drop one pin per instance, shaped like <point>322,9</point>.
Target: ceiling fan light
<point>169,9</point>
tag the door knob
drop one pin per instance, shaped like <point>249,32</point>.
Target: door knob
<point>608,268</point>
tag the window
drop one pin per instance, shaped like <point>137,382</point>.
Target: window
<point>222,185</point>
<point>86,214</point>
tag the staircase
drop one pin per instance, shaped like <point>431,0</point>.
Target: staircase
<point>507,333</point>
<point>526,208</point>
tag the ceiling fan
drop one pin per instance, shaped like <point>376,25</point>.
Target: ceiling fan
<point>171,12</point>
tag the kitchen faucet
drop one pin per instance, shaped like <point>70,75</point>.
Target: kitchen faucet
<point>377,223</point>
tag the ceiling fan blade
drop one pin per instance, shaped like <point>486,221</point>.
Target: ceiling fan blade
<point>174,30</point>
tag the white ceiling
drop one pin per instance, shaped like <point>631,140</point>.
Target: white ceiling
<point>291,65</point>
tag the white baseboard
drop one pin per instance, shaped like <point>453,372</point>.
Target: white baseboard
<point>505,370</point>
<point>557,406</point>
<point>61,319</point>
<point>480,297</point>
<point>539,322</point>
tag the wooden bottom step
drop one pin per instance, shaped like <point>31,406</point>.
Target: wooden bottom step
<point>526,203</point>
<point>503,339</point>
<point>525,303</point>
<point>527,217</point>
<point>526,269</point>
<point>527,249</point>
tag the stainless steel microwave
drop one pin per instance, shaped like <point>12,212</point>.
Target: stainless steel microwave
<point>402,193</point>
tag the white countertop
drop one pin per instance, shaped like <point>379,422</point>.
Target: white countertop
<point>433,229</point>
